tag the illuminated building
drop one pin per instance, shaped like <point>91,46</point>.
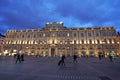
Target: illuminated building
<point>1,43</point>
<point>56,39</point>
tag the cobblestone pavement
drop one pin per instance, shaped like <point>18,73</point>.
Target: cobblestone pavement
<point>46,68</point>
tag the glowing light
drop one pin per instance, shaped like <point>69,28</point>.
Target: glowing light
<point>112,42</point>
<point>80,42</point>
<point>5,52</point>
<point>92,41</point>
<point>68,34</point>
<point>96,42</point>
<point>88,42</point>
<point>84,42</point>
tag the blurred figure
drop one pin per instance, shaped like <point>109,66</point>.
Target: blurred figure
<point>22,58</point>
<point>62,62</point>
<point>111,55</point>
<point>100,56</point>
<point>18,58</point>
<point>75,58</point>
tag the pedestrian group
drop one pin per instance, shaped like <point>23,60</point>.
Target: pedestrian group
<point>20,58</point>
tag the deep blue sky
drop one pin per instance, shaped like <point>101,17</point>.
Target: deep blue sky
<point>33,14</point>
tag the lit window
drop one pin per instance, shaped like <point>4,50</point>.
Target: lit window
<point>60,42</point>
<point>43,34</point>
<point>68,34</point>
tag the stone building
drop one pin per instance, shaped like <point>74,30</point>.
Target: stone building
<point>55,40</point>
<point>2,37</point>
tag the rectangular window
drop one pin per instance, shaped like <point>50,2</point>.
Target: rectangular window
<point>75,35</point>
<point>82,34</point>
<point>97,34</point>
<point>40,35</point>
<point>89,34</point>
<point>68,34</point>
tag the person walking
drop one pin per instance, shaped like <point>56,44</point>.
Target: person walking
<point>62,62</point>
<point>22,58</point>
<point>100,56</point>
<point>75,58</point>
<point>18,58</point>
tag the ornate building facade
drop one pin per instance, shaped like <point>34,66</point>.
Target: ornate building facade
<point>118,36</point>
<point>2,37</point>
<point>56,39</point>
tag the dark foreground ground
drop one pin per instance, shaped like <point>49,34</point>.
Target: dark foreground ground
<point>46,68</point>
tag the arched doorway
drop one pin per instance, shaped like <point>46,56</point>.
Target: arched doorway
<point>52,51</point>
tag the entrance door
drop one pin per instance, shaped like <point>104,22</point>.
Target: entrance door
<point>52,51</point>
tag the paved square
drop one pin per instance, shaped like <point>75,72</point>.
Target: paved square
<point>46,68</point>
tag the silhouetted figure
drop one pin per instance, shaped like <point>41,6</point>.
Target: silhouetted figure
<point>22,58</point>
<point>100,56</point>
<point>62,62</point>
<point>111,58</point>
<point>18,58</point>
<point>75,58</point>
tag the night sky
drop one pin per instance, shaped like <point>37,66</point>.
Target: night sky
<point>33,14</point>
